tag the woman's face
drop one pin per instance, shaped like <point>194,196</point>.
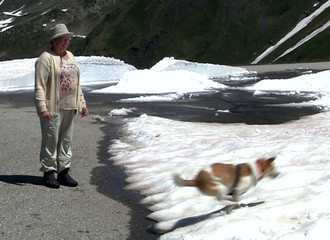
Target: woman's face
<point>61,43</point>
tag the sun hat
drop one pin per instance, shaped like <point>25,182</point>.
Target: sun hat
<point>59,30</point>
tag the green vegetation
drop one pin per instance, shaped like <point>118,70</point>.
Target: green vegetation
<point>142,32</point>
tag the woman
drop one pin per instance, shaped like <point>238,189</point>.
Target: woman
<point>58,98</point>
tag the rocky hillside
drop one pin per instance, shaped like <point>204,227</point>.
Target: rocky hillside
<point>141,32</point>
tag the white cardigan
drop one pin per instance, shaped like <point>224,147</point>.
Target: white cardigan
<point>47,76</point>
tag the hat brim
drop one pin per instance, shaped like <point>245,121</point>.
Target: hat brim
<point>62,35</point>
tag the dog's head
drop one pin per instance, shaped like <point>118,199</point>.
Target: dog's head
<point>267,167</point>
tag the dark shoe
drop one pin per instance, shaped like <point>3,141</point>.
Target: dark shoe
<point>65,179</point>
<point>49,180</point>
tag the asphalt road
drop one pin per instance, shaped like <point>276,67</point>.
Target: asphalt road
<point>99,208</point>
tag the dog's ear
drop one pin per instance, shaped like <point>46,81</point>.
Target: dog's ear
<point>270,160</point>
<point>263,162</point>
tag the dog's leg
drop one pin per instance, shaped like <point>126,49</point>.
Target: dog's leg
<point>222,191</point>
<point>235,195</point>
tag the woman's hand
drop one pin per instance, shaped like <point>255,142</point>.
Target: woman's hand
<point>84,112</point>
<point>46,115</point>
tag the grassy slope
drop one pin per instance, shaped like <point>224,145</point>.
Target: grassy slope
<point>142,32</point>
<point>219,31</point>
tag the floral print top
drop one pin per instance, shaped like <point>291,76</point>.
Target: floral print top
<point>68,84</point>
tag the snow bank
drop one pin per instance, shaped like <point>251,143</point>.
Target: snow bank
<point>316,85</point>
<point>204,69</point>
<point>19,74</point>
<point>318,82</point>
<point>295,204</point>
<point>150,82</point>
<point>173,76</point>
<point>95,70</point>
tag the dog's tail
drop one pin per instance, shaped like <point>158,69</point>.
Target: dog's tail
<point>179,181</point>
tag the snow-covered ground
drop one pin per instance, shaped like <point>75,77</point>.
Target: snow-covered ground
<point>296,203</point>
<point>152,149</point>
<point>19,74</point>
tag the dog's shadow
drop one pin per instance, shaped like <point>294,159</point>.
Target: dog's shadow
<point>186,221</point>
<point>21,179</point>
<point>196,219</point>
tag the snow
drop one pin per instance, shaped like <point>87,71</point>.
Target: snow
<point>4,24</point>
<point>148,81</point>
<point>306,39</point>
<point>316,85</point>
<point>152,149</point>
<point>205,69</point>
<point>15,13</point>
<point>45,12</point>
<point>296,202</point>
<point>172,76</point>
<point>120,112</point>
<point>102,69</point>
<point>303,23</point>
<point>19,74</point>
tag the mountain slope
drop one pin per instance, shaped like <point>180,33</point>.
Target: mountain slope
<point>141,32</point>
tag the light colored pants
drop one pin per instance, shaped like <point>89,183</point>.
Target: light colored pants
<point>56,153</point>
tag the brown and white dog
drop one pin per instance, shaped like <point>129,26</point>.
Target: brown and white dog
<point>228,179</point>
